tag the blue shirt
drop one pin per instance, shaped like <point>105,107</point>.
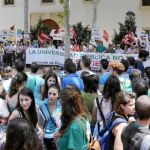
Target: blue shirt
<point>100,48</point>
<point>130,69</point>
<point>52,119</point>
<point>103,78</point>
<point>31,82</point>
<point>37,91</point>
<point>73,79</point>
<point>140,66</point>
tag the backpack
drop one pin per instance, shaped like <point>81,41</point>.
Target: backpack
<point>105,137</point>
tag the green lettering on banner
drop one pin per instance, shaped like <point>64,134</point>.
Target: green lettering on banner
<point>115,57</point>
<point>120,57</point>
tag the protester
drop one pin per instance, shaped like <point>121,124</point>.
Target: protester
<point>17,83</point>
<point>25,107</point>
<point>105,73</point>
<point>19,65</point>
<point>118,70</point>
<point>6,78</point>
<point>85,65</point>
<point>49,113</point>
<point>135,73</point>
<point>104,104</point>
<point>132,64</point>
<point>21,135</point>
<point>110,49</point>
<point>46,71</point>
<point>91,91</point>
<point>39,83</point>
<point>143,54</point>
<point>137,135</point>
<point>125,74</point>
<point>140,87</point>
<point>50,79</point>
<point>124,108</point>
<point>100,47</point>
<point>20,50</point>
<point>72,77</point>
<point>75,128</point>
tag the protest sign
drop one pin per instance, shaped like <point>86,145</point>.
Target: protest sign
<point>47,56</point>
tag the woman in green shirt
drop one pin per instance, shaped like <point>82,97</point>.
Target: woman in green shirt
<point>75,129</point>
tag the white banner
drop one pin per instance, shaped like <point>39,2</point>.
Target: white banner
<point>46,56</point>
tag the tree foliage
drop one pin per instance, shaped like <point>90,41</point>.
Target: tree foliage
<point>129,25</point>
<point>83,34</point>
<point>35,30</point>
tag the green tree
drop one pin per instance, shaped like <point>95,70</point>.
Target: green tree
<point>35,30</point>
<point>83,34</point>
<point>129,25</point>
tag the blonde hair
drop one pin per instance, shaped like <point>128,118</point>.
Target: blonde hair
<point>117,67</point>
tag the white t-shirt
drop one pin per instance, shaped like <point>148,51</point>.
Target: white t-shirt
<point>106,107</point>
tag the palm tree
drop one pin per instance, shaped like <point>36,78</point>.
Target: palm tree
<point>26,3</point>
<point>65,4</point>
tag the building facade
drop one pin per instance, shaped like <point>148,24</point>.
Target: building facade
<point>109,13</point>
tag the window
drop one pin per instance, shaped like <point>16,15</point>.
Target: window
<point>145,2</point>
<point>47,1</point>
<point>8,2</point>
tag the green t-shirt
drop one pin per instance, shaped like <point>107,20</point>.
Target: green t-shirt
<point>74,138</point>
<point>89,100</point>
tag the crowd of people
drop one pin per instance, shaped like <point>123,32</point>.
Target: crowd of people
<point>50,112</point>
<point>10,51</point>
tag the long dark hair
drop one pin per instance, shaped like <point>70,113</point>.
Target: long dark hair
<point>21,135</point>
<point>91,82</point>
<point>111,88</point>
<point>45,90</point>
<point>72,107</point>
<point>32,109</point>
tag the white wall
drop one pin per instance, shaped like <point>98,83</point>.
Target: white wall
<point>12,15</point>
<point>108,14</point>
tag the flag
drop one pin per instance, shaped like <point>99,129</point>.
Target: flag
<point>42,37</point>
<point>129,38</point>
<point>12,27</point>
<point>105,35</point>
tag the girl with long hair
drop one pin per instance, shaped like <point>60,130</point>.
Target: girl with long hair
<point>107,99</point>
<point>50,111</point>
<point>17,83</point>
<point>50,79</point>
<point>21,135</point>
<point>25,107</point>
<point>75,128</point>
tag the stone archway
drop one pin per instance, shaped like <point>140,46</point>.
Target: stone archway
<point>51,24</point>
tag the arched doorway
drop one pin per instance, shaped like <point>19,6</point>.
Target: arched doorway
<point>51,24</point>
